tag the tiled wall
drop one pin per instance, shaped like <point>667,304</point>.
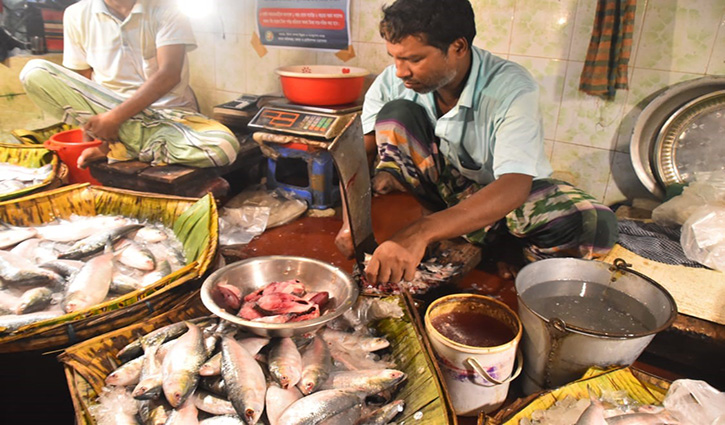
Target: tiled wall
<point>16,109</point>
<point>587,138</point>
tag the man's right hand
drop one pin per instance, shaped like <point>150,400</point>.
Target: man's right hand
<point>103,126</point>
<point>344,242</point>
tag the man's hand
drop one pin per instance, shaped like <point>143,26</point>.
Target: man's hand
<point>103,127</point>
<point>397,258</point>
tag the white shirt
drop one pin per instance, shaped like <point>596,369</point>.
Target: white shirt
<point>122,54</point>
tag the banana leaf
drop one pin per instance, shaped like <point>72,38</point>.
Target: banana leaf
<point>199,241</point>
<point>88,363</point>
<point>31,156</point>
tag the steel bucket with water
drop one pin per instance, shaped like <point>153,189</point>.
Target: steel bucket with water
<point>580,313</point>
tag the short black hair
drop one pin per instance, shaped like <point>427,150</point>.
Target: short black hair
<point>437,22</point>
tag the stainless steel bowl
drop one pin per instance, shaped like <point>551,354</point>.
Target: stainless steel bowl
<point>254,273</point>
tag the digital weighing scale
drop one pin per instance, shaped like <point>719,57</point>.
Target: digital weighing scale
<point>317,122</point>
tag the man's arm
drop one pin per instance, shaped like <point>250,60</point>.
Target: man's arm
<point>171,61</point>
<point>398,257</point>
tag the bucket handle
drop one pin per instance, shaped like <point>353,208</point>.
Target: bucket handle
<point>481,371</point>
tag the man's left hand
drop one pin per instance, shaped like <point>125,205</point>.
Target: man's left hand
<point>396,259</point>
<point>103,127</point>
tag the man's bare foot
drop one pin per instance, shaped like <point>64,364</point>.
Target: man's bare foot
<point>344,242</point>
<point>90,155</point>
<point>384,182</point>
<point>506,270</point>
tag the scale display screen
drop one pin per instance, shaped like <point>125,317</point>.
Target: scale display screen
<point>295,122</point>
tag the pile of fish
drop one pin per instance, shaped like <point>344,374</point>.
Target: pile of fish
<point>276,302</point>
<point>430,274</point>
<point>15,177</point>
<point>207,371</point>
<point>75,263</point>
<point>609,409</point>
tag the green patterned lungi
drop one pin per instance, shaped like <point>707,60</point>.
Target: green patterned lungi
<point>557,219</point>
<point>156,136</point>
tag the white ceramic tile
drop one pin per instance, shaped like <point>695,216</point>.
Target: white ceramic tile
<point>645,83</point>
<point>585,119</point>
<point>207,20</point>
<point>494,21</point>
<point>202,62</point>
<point>582,30</point>
<point>232,54</point>
<point>236,16</point>
<point>549,73</point>
<point>679,35</point>
<point>543,28</point>
<point>716,65</point>
<point>548,148</point>
<point>639,14</point>
<point>368,20</point>
<point>261,78</point>
<point>584,167</point>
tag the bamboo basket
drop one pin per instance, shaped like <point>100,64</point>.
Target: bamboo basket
<point>32,156</point>
<point>194,222</point>
<point>639,385</point>
<point>87,364</point>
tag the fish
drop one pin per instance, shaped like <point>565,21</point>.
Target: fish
<point>223,420</point>
<point>78,227</point>
<point>640,418</point>
<point>134,255</point>
<point>244,380</point>
<point>18,271</point>
<point>128,373</point>
<point>123,284</point>
<point>13,322</point>
<point>17,172</point>
<point>353,341</point>
<point>368,382</point>
<point>316,365</point>
<point>384,414</point>
<point>277,400</point>
<point>214,384</point>
<point>211,403</point>
<point>165,333</point>
<point>96,242</point>
<point>153,412</point>
<point>180,367</point>
<point>150,234</point>
<point>284,362</point>
<point>10,186</point>
<point>184,414</point>
<point>331,407</point>
<point>34,299</point>
<point>149,385</point>
<point>594,413</point>
<point>163,269</point>
<point>64,268</point>
<point>91,284</point>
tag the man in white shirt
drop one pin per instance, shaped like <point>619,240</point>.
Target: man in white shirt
<point>135,96</point>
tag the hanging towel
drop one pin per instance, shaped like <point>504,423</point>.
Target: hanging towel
<point>605,68</point>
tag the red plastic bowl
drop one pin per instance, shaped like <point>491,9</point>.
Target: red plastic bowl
<point>321,84</point>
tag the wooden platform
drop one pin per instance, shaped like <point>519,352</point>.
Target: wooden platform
<point>178,180</point>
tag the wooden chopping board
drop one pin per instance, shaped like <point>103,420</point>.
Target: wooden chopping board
<point>698,293</point>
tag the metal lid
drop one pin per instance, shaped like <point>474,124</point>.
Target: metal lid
<point>692,140</point>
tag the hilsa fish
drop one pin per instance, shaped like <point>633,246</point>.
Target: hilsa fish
<point>333,407</point>
<point>181,365</point>
<point>284,362</point>
<point>91,284</point>
<point>244,380</point>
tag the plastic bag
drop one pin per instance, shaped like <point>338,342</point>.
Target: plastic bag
<point>703,236</point>
<point>695,402</point>
<point>284,206</point>
<point>707,189</point>
<point>238,226</point>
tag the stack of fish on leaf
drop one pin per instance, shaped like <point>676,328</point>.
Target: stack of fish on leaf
<point>80,252</point>
<point>26,169</point>
<point>204,370</point>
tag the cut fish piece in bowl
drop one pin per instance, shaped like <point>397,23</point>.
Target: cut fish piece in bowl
<point>325,285</point>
